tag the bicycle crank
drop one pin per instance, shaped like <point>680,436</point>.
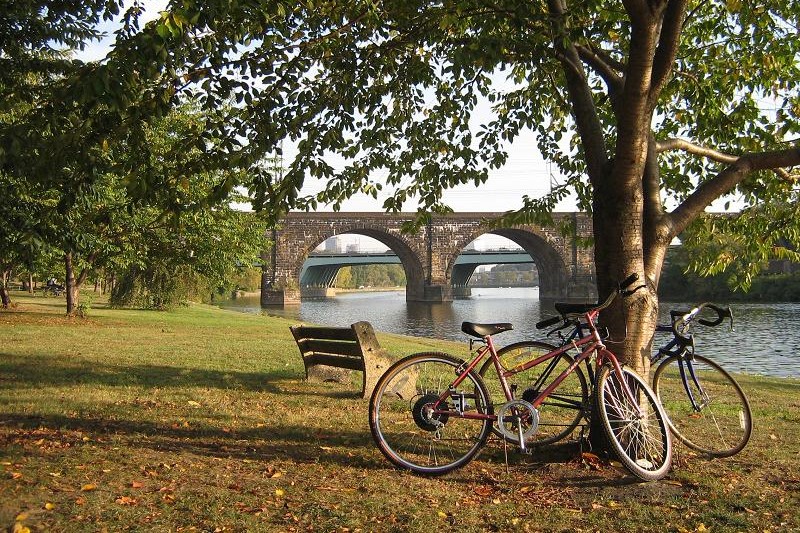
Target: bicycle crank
<point>517,421</point>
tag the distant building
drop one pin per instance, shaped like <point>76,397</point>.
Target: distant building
<point>333,245</point>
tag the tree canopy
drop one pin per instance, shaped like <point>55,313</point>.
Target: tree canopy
<point>651,110</point>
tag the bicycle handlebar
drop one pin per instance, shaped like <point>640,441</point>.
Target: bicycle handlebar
<point>722,314</point>
<point>627,282</point>
<point>547,322</point>
<point>685,318</point>
<point>621,289</point>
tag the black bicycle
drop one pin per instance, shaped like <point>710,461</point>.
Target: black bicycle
<point>707,409</point>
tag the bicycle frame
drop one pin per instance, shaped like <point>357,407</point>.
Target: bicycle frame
<point>680,349</point>
<point>591,344</point>
<point>675,347</point>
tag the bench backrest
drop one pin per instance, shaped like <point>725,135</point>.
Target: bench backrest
<point>340,347</point>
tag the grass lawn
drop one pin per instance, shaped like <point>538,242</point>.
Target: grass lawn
<point>199,420</point>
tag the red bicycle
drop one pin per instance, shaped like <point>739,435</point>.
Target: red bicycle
<point>432,413</point>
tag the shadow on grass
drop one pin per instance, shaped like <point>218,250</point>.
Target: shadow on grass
<point>40,371</point>
<point>273,441</point>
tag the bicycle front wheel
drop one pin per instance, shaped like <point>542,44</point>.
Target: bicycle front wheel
<point>638,432</point>
<point>414,435</point>
<point>706,409</point>
<point>561,411</point>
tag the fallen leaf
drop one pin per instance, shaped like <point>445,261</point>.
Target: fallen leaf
<point>49,506</point>
<point>483,490</point>
<point>126,500</point>
<point>89,487</point>
<point>279,492</point>
<point>137,484</point>
<point>16,475</point>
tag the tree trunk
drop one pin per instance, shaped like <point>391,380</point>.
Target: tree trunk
<point>74,283</point>
<point>71,289</point>
<point>5,297</point>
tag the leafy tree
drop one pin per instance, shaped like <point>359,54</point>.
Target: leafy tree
<point>33,35</point>
<point>22,215</point>
<point>651,110</point>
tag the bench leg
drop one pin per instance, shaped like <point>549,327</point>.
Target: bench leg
<point>376,366</point>
<point>323,373</point>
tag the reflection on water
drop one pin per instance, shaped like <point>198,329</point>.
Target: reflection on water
<point>762,342</point>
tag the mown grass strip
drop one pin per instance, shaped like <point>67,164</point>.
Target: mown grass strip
<point>199,419</point>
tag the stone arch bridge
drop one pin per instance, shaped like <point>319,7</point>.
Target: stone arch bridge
<point>566,269</point>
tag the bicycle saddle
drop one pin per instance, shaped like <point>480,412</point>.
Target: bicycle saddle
<point>482,330</point>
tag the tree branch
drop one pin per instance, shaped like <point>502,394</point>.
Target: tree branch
<point>584,110</point>
<point>710,153</point>
<point>608,71</point>
<point>726,180</point>
<point>696,149</point>
<point>667,49</point>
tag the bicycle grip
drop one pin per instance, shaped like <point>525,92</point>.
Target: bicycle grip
<point>547,322</point>
<point>627,282</point>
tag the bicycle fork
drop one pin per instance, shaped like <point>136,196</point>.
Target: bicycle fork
<point>703,396</point>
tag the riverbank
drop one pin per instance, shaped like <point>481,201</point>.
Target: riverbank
<point>199,419</point>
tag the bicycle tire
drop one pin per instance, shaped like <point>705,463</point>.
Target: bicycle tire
<point>561,412</point>
<point>412,438</point>
<point>642,443</point>
<point>724,423</point>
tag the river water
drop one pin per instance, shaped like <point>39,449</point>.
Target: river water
<point>764,340</point>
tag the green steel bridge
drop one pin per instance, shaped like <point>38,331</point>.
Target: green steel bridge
<point>321,268</point>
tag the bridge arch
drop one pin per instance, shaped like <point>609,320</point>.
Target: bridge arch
<point>553,274</point>
<point>409,257</point>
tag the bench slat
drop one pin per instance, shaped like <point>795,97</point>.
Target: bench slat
<point>340,361</point>
<point>349,349</point>
<point>316,332</point>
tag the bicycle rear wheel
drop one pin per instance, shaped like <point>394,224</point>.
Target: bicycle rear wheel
<point>719,422</point>
<point>638,434</point>
<point>561,411</point>
<point>407,430</point>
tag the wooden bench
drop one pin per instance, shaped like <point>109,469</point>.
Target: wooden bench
<point>332,354</point>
